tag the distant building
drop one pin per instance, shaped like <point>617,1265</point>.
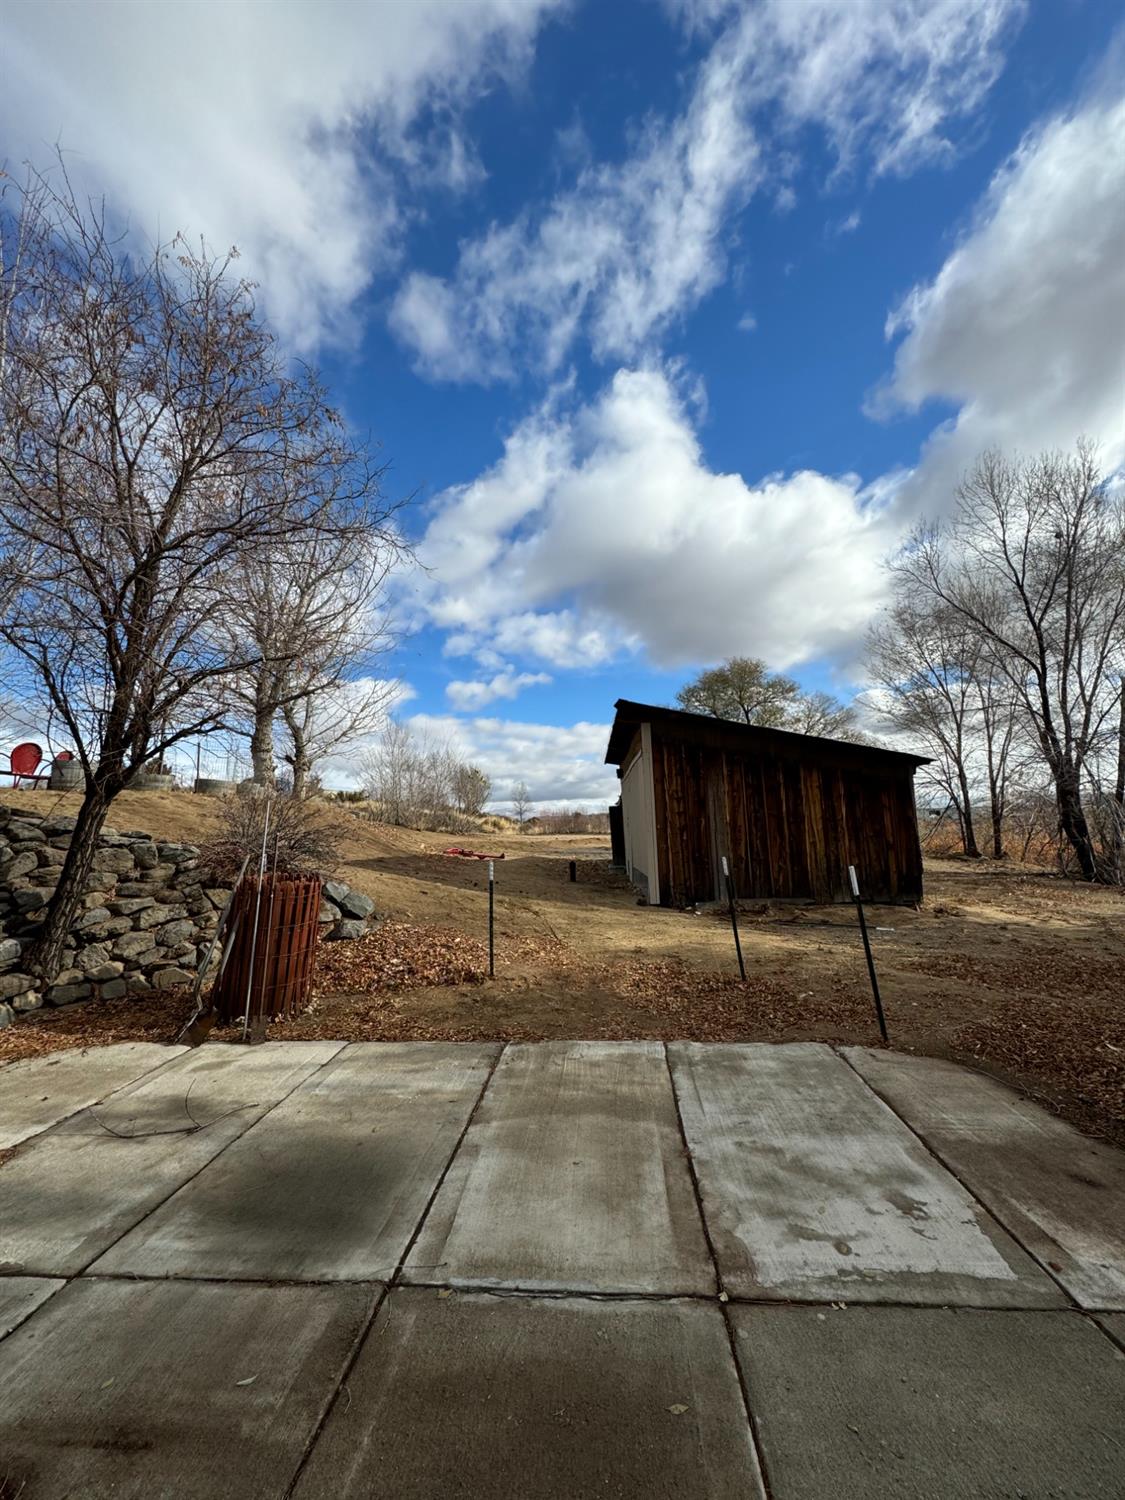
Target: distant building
<point>789,811</point>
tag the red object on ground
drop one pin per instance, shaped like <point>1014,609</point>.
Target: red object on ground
<point>24,762</point>
<point>472,854</point>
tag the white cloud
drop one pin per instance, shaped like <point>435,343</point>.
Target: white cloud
<point>561,764</point>
<point>287,129</point>
<point>785,199</point>
<point>1023,327</point>
<point>622,253</point>
<point>889,77</point>
<point>469,696</point>
<point>565,638</point>
<point>632,245</point>
<point>601,530</point>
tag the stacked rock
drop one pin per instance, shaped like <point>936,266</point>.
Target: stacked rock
<point>346,910</point>
<point>147,913</point>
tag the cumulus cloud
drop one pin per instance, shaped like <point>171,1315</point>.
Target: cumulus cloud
<point>562,764</point>
<point>564,638</point>
<point>1023,327</point>
<point>469,696</point>
<point>611,508</point>
<point>632,245</point>
<point>288,129</point>
<point>601,530</point>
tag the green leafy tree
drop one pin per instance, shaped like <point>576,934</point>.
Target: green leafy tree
<point>742,689</point>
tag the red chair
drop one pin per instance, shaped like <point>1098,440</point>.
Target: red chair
<point>24,763</point>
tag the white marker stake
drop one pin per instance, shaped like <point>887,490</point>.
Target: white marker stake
<point>491,919</point>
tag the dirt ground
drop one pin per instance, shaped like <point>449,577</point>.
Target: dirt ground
<point>1006,967</point>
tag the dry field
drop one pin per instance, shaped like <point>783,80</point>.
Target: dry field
<point>1006,967</point>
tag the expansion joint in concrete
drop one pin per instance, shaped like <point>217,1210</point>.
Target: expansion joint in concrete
<point>369,1323</point>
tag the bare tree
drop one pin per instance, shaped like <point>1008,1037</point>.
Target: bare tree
<point>1034,562</point>
<point>924,660</point>
<point>152,442</point>
<point>390,772</point>
<point>997,718</point>
<point>521,802</point>
<point>413,778</point>
<point>471,789</point>
<point>821,714</point>
<point>327,717</point>
<point>311,607</point>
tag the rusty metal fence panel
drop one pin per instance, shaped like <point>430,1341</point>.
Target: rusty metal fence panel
<point>267,971</point>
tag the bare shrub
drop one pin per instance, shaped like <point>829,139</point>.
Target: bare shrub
<point>301,838</point>
<point>571,820</point>
<point>415,782</point>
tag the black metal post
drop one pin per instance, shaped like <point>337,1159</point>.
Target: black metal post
<point>733,917</point>
<point>491,919</point>
<point>573,870</point>
<point>867,951</point>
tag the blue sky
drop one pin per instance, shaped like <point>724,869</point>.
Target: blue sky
<point>674,317</point>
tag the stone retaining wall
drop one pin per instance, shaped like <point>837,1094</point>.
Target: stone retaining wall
<point>147,914</point>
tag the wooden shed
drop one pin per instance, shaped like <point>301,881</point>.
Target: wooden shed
<point>790,811</point>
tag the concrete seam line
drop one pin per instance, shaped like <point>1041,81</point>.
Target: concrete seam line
<point>570,1294</point>
<point>976,1197</point>
<point>33,1310</point>
<point>181,1185</point>
<point>751,1419</point>
<point>145,1073</point>
<point>1117,1340</point>
<point>389,1285</point>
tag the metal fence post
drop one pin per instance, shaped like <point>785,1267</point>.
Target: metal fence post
<point>867,950</point>
<point>733,917</point>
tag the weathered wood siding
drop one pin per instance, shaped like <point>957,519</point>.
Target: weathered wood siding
<point>789,825</point>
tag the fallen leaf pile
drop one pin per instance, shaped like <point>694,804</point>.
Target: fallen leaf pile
<point>1076,1048</point>
<point>151,1018</point>
<point>1046,971</point>
<point>399,956</point>
<point>630,999</point>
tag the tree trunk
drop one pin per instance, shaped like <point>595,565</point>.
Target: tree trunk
<point>298,759</point>
<point>1117,858</point>
<point>1072,820</point>
<point>44,957</point>
<point>997,831</point>
<point>301,768</point>
<point>996,809</point>
<point>261,748</point>
<point>968,833</point>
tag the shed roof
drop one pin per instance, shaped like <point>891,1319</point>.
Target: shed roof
<point>630,716</point>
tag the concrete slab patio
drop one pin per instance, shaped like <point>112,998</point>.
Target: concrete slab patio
<point>816,1191</point>
<point>554,1270</point>
<point>40,1093</point>
<point>76,1189</point>
<point>333,1184</point>
<point>594,1123</point>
